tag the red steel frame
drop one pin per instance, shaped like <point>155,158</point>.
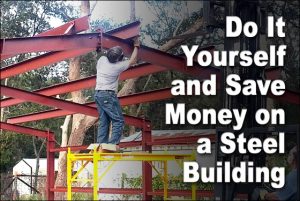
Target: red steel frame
<point>65,43</point>
<point>50,155</point>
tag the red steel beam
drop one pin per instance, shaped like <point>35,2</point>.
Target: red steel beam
<point>199,193</point>
<point>136,191</point>
<point>142,97</point>
<point>49,101</point>
<point>139,70</point>
<point>124,100</point>
<point>160,58</point>
<point>127,31</point>
<point>124,32</point>
<point>132,191</point>
<point>66,105</point>
<point>142,69</point>
<point>155,142</point>
<point>49,43</point>
<point>181,140</point>
<point>43,60</point>
<point>72,27</point>
<point>84,147</point>
<point>47,115</point>
<point>24,130</point>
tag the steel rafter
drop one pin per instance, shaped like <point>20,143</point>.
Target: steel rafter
<point>66,105</point>
<point>49,101</point>
<point>49,43</point>
<point>139,70</point>
<point>72,27</point>
<point>131,30</point>
<point>124,100</point>
<point>127,31</point>
<point>39,61</point>
<point>68,42</point>
<point>24,130</point>
<point>159,58</point>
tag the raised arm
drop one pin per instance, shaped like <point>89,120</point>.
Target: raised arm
<point>133,57</point>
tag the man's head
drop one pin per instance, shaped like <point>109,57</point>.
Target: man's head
<point>293,157</point>
<point>115,54</point>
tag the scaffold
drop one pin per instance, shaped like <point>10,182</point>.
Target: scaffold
<point>95,157</point>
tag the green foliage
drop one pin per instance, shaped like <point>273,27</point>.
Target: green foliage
<point>27,18</point>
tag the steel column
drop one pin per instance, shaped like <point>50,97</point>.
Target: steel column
<point>50,166</point>
<point>146,167</point>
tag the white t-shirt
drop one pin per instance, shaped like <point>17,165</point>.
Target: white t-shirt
<point>108,73</point>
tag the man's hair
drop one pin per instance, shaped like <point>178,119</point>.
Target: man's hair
<point>115,54</point>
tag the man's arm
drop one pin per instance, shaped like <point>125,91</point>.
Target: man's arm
<point>133,57</point>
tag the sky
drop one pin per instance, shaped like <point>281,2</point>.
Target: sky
<point>119,12</point>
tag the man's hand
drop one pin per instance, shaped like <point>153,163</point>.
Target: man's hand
<point>136,42</point>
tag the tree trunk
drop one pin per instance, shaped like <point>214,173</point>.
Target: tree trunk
<point>132,11</point>
<point>76,138</point>
<point>37,154</point>
<point>84,123</point>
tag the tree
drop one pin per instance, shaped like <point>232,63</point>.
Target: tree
<point>130,84</point>
<point>77,119</point>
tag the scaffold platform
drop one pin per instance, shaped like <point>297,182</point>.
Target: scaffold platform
<point>95,157</point>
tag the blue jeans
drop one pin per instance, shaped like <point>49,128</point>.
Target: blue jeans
<point>109,111</point>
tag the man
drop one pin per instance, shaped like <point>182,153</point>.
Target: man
<point>289,191</point>
<point>109,68</point>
